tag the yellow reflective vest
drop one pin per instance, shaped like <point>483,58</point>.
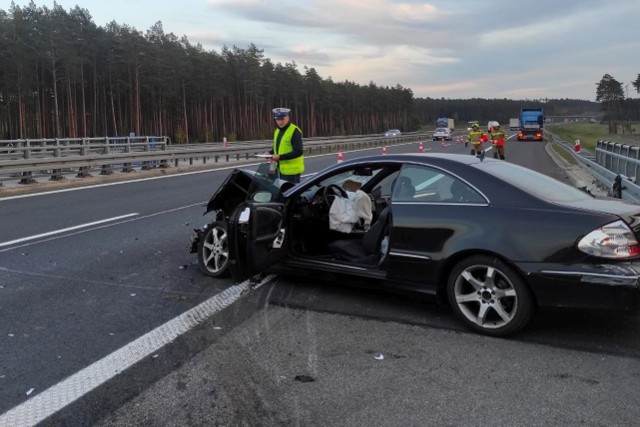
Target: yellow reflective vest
<point>292,166</point>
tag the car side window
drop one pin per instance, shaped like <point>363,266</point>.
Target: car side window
<point>419,184</point>
<point>461,192</point>
<point>426,184</point>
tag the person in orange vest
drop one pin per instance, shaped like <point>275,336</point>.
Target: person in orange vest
<point>498,137</point>
<point>287,148</point>
<point>476,137</point>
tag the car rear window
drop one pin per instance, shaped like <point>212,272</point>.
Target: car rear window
<point>539,185</point>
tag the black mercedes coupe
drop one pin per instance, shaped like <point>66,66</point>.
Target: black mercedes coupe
<point>492,239</point>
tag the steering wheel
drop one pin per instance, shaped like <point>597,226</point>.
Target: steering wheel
<point>331,191</point>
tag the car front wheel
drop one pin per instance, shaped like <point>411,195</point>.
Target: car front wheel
<point>213,250</point>
<point>489,296</point>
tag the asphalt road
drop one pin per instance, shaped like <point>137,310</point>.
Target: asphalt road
<point>288,353</point>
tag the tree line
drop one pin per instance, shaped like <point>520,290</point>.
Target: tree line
<point>618,107</point>
<point>63,76</point>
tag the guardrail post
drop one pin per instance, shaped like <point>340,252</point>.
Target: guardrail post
<point>163,147</point>
<point>146,165</point>
<point>635,164</point>
<point>27,177</point>
<point>106,170</point>
<point>56,174</point>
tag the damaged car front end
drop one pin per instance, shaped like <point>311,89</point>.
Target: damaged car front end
<point>211,242</point>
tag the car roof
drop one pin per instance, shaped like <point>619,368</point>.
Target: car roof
<point>440,158</point>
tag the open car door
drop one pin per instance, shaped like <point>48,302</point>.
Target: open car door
<point>257,238</point>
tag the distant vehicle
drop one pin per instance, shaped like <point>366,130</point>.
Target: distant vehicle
<point>531,124</point>
<point>393,132</point>
<point>471,123</point>
<point>491,125</point>
<point>445,122</point>
<point>442,134</point>
<point>514,124</point>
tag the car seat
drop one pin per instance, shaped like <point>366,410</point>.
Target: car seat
<point>367,249</point>
<point>460,193</point>
<point>404,189</point>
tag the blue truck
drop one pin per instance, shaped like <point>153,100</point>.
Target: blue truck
<point>531,124</point>
<point>445,122</point>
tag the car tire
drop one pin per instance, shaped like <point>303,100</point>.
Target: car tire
<point>489,297</point>
<point>213,250</point>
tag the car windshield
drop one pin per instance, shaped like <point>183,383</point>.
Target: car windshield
<point>539,185</point>
<point>442,130</point>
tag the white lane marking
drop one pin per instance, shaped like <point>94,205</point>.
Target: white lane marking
<point>103,226</point>
<point>64,230</point>
<point>58,396</point>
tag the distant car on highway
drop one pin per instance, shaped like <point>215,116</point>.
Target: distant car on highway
<point>493,240</point>
<point>393,132</point>
<point>471,123</point>
<point>442,134</point>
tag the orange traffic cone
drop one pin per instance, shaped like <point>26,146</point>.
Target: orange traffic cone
<point>420,148</point>
<point>340,156</point>
<point>384,150</point>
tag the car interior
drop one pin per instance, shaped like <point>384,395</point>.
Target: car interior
<point>310,227</point>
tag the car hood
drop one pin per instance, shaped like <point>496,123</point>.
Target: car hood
<point>239,185</point>
<point>233,191</point>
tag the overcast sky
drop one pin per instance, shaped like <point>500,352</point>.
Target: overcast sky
<point>451,49</point>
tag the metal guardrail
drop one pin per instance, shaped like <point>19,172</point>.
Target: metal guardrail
<point>53,158</point>
<point>610,160</point>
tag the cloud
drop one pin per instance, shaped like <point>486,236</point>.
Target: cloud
<point>438,48</point>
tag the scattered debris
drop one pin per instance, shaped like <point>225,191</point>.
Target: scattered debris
<point>30,391</point>
<point>217,327</point>
<point>11,335</point>
<point>133,295</point>
<point>304,378</point>
<point>183,267</point>
<point>379,356</point>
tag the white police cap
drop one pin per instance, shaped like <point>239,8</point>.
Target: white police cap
<point>281,112</point>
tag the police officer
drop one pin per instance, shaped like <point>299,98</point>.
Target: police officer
<point>287,146</point>
<point>476,137</point>
<point>498,137</point>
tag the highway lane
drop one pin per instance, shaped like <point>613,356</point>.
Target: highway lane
<point>70,300</point>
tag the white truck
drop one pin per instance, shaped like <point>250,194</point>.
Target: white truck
<point>514,124</point>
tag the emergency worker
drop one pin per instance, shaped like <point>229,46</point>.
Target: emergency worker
<point>476,137</point>
<point>498,138</point>
<point>287,148</point>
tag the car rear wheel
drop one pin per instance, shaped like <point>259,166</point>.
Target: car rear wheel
<point>489,296</point>
<point>213,250</point>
